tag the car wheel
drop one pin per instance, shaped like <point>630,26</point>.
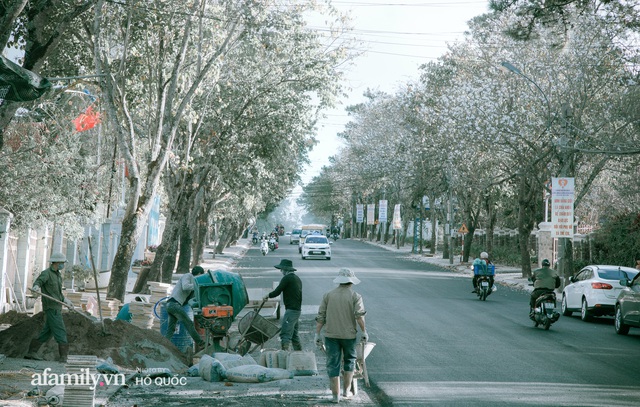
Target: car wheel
<point>565,310</point>
<point>585,315</point>
<point>621,327</point>
<point>329,258</point>
<point>304,258</point>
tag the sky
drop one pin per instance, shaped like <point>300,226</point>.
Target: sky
<point>399,36</point>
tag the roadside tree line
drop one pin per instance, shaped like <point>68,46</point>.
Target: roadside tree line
<point>493,120</point>
<point>210,104</point>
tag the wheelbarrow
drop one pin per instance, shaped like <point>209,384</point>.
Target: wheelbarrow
<point>360,372</point>
<point>254,328</point>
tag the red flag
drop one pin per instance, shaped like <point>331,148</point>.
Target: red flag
<point>87,120</point>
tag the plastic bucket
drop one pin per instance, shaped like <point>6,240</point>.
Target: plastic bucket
<point>181,338</point>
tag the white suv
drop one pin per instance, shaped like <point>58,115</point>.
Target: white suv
<point>316,246</point>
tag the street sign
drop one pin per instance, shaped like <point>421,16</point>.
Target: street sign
<point>463,229</point>
<point>371,213</point>
<point>397,221</point>
<point>562,198</point>
<point>359,213</point>
<point>382,210</point>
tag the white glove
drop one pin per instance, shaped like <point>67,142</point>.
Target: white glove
<point>68,303</point>
<point>318,340</point>
<point>265,298</point>
<point>36,291</point>
<point>364,337</point>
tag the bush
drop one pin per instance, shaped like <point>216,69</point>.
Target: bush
<point>617,242</point>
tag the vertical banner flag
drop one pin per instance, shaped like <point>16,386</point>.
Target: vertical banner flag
<point>359,213</point>
<point>371,214</point>
<point>562,197</point>
<point>397,222</point>
<point>382,211</point>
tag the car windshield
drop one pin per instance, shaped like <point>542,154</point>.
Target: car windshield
<point>296,232</point>
<point>616,274</point>
<point>315,239</point>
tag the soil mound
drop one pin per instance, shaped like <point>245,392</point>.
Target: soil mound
<point>13,317</point>
<point>128,346</point>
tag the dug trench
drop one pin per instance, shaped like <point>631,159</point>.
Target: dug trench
<point>126,344</point>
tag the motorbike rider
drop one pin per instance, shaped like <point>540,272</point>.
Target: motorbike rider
<point>544,280</point>
<point>483,269</point>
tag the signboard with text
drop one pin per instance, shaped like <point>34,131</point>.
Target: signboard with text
<point>382,210</point>
<point>562,199</point>
<point>371,214</point>
<point>397,222</point>
<point>359,213</point>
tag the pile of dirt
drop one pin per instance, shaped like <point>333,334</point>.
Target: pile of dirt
<point>13,317</point>
<point>126,344</point>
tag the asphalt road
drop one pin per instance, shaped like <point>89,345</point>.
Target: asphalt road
<point>438,345</point>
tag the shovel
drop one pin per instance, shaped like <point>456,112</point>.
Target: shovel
<point>62,303</point>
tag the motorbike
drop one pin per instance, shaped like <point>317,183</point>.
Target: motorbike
<point>545,312</point>
<point>335,236</point>
<point>254,239</point>
<point>484,287</point>
<point>273,244</point>
<point>264,247</point>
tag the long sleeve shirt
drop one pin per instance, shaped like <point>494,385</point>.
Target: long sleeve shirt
<point>50,282</point>
<point>291,287</point>
<point>338,312</point>
<point>183,288</point>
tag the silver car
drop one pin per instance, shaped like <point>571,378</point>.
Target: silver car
<point>594,290</point>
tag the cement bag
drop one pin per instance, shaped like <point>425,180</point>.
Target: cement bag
<point>211,369</point>
<point>270,358</point>
<point>263,356</point>
<point>302,363</point>
<point>256,374</point>
<point>283,358</point>
<point>245,360</point>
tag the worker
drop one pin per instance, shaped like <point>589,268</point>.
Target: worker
<point>181,294</point>
<point>291,288</point>
<point>49,283</point>
<point>341,311</point>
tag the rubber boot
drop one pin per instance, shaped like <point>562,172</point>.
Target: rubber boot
<point>63,349</point>
<point>34,346</point>
<point>286,346</point>
<point>297,346</point>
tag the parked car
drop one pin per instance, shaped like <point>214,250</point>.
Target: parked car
<point>316,246</point>
<point>594,290</point>
<point>627,312</point>
<point>295,236</point>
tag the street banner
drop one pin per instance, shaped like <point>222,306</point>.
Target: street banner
<point>397,222</point>
<point>562,200</point>
<point>382,211</point>
<point>359,213</point>
<point>371,214</point>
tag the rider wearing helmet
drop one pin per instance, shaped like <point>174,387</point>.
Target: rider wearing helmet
<point>482,263</point>
<point>544,280</point>
<point>49,282</point>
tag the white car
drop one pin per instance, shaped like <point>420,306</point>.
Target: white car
<point>316,246</point>
<point>294,238</point>
<point>594,290</point>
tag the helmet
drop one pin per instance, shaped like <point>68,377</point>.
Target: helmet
<point>484,255</point>
<point>546,263</point>
<point>58,258</point>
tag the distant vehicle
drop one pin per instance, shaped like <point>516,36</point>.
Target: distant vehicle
<point>627,310</point>
<point>316,245</point>
<point>594,290</point>
<point>295,236</point>
<point>313,229</point>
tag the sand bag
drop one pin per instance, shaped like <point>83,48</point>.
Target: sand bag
<point>302,363</point>
<point>256,374</point>
<point>211,369</point>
